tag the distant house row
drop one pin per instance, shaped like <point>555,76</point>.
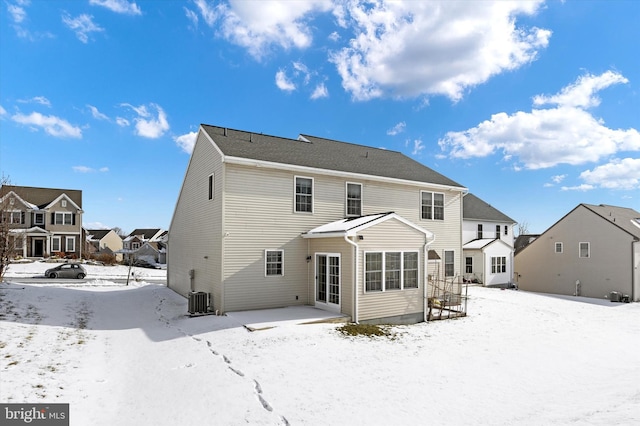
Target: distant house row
<point>46,222</point>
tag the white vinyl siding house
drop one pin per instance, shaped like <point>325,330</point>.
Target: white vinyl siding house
<point>488,243</point>
<point>230,243</point>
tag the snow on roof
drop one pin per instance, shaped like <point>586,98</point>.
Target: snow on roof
<point>350,226</point>
<point>478,244</point>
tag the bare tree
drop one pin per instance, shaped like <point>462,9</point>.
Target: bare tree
<point>523,228</point>
<point>5,228</point>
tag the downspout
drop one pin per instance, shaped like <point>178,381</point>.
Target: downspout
<point>425,296</point>
<point>355,280</point>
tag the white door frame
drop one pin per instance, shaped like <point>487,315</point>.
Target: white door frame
<point>324,299</point>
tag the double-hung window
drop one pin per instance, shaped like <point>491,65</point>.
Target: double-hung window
<point>432,205</point>
<point>303,195</point>
<point>15,217</point>
<point>449,263</point>
<point>38,218</point>
<point>479,231</point>
<point>354,199</point>
<point>585,250</point>
<point>56,244</point>
<point>70,243</point>
<point>63,218</point>
<point>387,271</point>
<point>273,262</point>
<point>558,247</point>
<point>497,231</point>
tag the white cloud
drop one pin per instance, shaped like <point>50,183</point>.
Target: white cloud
<point>82,169</point>
<point>18,14</point>
<point>418,146</point>
<point>581,188</point>
<point>209,13</point>
<point>51,124</point>
<point>85,169</point>
<point>2,111</point>
<point>320,92</point>
<point>187,141</point>
<point>191,16</point>
<point>397,129</point>
<point>542,138</point>
<point>95,225</point>
<point>581,94</point>
<point>412,48</point>
<point>617,174</point>
<point>118,6</point>
<point>257,26</point>
<point>36,100</point>
<point>283,82</point>
<point>147,125</point>
<point>122,122</point>
<point>83,26</point>
<point>97,114</point>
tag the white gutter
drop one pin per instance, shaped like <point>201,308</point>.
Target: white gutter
<point>355,280</point>
<point>426,275</point>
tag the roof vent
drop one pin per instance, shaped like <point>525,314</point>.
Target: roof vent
<point>225,131</point>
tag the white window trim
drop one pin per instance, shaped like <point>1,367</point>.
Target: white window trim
<point>346,198</point>
<point>35,220</point>
<point>466,264</point>
<point>444,263</point>
<point>433,202</point>
<point>135,245</point>
<point>63,214</point>
<point>499,265</point>
<point>588,250</point>
<point>282,262</point>
<point>69,241</point>
<point>295,194</point>
<point>11,213</point>
<point>384,265</point>
<point>555,247</point>
<point>53,240</point>
<point>63,203</point>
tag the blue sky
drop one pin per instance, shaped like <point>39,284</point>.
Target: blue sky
<point>534,106</point>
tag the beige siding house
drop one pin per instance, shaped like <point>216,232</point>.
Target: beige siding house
<point>592,251</point>
<point>43,222</point>
<point>265,222</point>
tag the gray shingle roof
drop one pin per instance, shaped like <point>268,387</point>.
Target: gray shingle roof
<point>98,234</point>
<point>147,234</point>
<point>625,218</point>
<point>311,151</point>
<point>41,197</point>
<point>473,208</point>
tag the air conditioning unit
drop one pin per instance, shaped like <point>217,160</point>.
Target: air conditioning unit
<point>198,302</point>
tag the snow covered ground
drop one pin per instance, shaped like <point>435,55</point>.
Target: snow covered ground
<point>128,355</point>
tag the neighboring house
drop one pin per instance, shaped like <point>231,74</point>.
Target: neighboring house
<point>264,222</point>
<point>592,251</point>
<point>43,221</point>
<point>146,242</point>
<point>487,237</point>
<point>104,241</point>
<point>524,240</point>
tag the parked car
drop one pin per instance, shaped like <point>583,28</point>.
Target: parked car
<point>66,270</point>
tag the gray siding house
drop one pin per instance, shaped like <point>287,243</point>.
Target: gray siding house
<point>592,251</point>
<point>265,222</point>
<point>487,237</point>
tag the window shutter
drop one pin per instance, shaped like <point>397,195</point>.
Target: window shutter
<point>53,218</point>
<point>73,219</point>
<point>22,214</point>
